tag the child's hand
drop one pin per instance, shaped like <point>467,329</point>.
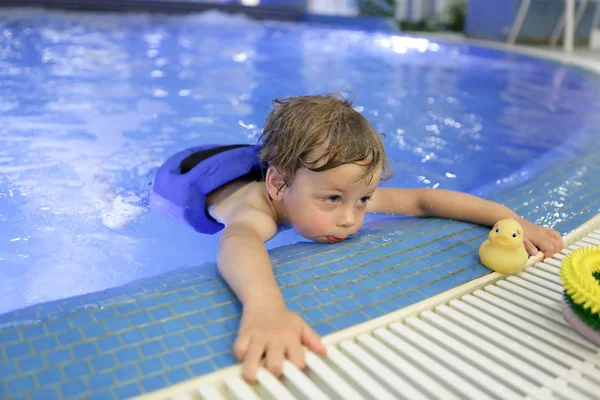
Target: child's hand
<point>544,238</point>
<point>275,333</point>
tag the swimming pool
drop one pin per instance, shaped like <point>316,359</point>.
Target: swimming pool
<point>92,104</point>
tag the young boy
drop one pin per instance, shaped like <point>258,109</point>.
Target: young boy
<point>323,165</point>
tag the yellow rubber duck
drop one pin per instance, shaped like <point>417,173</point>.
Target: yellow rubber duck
<point>504,250</point>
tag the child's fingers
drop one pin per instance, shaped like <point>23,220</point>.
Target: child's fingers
<point>274,358</point>
<point>531,249</point>
<point>311,340</point>
<point>255,353</point>
<point>557,236</point>
<point>295,354</point>
<point>240,347</point>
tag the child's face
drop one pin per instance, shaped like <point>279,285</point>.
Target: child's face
<point>329,206</point>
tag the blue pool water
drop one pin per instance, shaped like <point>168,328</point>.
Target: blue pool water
<point>91,105</point>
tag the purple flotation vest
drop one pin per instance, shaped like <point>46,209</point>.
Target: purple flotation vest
<point>183,181</point>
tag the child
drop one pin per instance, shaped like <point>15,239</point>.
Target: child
<point>323,164</point>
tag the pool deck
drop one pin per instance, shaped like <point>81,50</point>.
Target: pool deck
<point>160,331</point>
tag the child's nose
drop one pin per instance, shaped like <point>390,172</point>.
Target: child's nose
<point>347,219</point>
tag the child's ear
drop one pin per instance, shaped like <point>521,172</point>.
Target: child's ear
<point>275,183</point>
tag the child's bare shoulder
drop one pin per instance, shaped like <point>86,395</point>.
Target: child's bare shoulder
<point>243,200</point>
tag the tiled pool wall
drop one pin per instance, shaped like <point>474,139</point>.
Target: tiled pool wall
<point>157,332</point>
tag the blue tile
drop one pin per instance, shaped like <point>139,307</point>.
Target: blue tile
<point>72,389</point>
<point>175,359</point>
<point>371,283</point>
<point>45,343</point>
<point>18,350</point>
<point>369,298</point>
<point>152,331</point>
<point>350,319</point>
<point>8,337</point>
<point>348,304</point>
<point>308,302</point>
<point>178,375</point>
<point>372,312</point>
<point>324,297</point>
<point>92,331</point>
<point>20,385</point>
<point>201,303</point>
<point>99,381</point>
<point>127,391</point>
<point>127,355</point>
<point>314,315</point>
<point>153,383</point>
<point>332,309</point>
<point>117,324</point>
<point>69,337</point>
<point>127,308</point>
<point>57,326</point>
<point>151,348</point>
<point>76,370</point>
<point>196,319</point>
<point>150,366</point>
<point>84,350</point>
<point>31,364</point>
<point>340,293</point>
<point>322,284</point>
<point>305,288</point>
<point>81,320</point>
<point>224,360</point>
<point>58,356</point>
<point>131,337</point>
<point>108,343</point>
<point>140,318</point>
<point>167,299</point>
<point>305,275</point>
<point>45,394</point>
<point>289,279</point>
<point>431,290</point>
<point>197,351</point>
<point>148,303</point>
<point>173,341</point>
<point>226,326</point>
<point>225,311</point>
<point>105,314</point>
<point>324,328</point>
<point>186,294</point>
<point>183,307</point>
<point>293,306</point>
<point>195,335</point>
<point>161,313</point>
<point>103,395</point>
<point>103,362</point>
<point>124,374</point>
<point>174,325</point>
<point>408,299</point>
<point>33,331</point>
<point>7,369</point>
<point>222,297</point>
<point>49,377</point>
<point>290,292</point>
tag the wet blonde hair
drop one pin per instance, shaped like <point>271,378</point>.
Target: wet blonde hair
<point>320,133</point>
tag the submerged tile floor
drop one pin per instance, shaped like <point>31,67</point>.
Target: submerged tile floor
<point>160,331</point>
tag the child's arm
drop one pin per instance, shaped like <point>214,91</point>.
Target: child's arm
<point>268,327</point>
<point>464,207</point>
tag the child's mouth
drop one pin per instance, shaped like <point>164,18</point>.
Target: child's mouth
<point>333,239</point>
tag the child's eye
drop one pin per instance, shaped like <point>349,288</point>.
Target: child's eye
<point>333,199</point>
<point>365,199</point>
